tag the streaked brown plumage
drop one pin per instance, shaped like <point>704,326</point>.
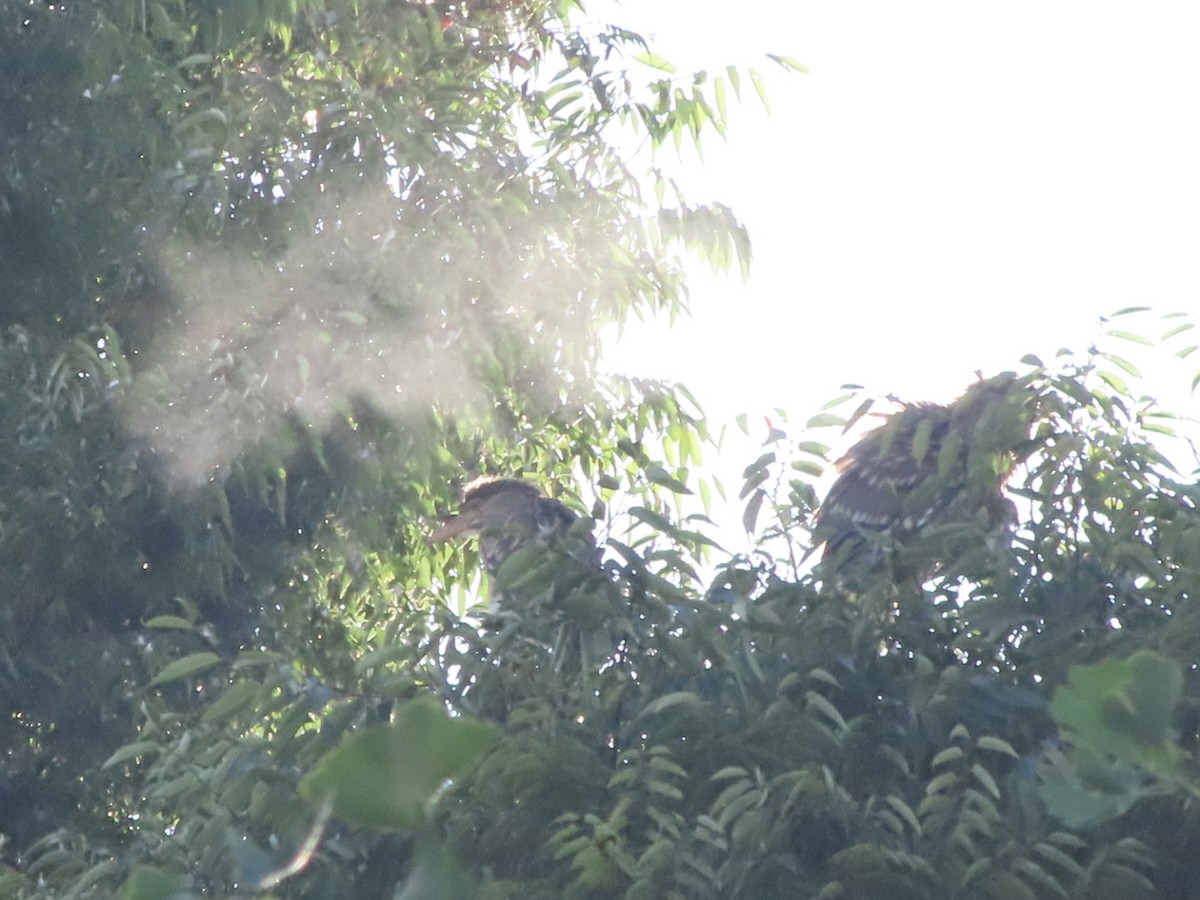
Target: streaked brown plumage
<point>505,514</point>
<point>928,464</point>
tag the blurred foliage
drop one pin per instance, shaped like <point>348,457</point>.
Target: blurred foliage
<point>278,276</point>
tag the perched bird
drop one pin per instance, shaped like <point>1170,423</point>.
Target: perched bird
<point>506,515</point>
<point>928,465</point>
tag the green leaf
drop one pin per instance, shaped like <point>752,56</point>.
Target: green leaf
<point>730,772</point>
<point>942,782</point>
<point>387,776</point>
<point>787,62</point>
<point>1130,336</point>
<point>1177,330</point>
<point>1053,854</point>
<point>905,812</point>
<point>735,80</point>
<point>152,883</point>
<point>435,874</point>
<point>660,476</point>
<point>667,701</point>
<point>842,398</point>
<point>1114,381</point>
<point>820,703</point>
<point>235,698</point>
<point>1128,367</point>
<point>654,519</point>
<point>1123,708</point>
<point>755,468</point>
<point>354,318</point>
<point>760,88</point>
<point>950,754</point>
<point>995,744</point>
<point>201,119</point>
<point>984,777</point>
<point>132,751</point>
<point>184,668</point>
<point>1159,428</point>
<point>719,98</point>
<point>654,61</point>
<point>1152,696</point>
<point>813,448</point>
<point>824,420</point>
<point>750,514</point>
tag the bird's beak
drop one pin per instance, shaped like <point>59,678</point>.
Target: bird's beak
<point>453,527</point>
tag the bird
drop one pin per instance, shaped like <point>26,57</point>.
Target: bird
<point>506,515</point>
<point>927,465</point>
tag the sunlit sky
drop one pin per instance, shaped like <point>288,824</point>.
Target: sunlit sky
<point>951,186</point>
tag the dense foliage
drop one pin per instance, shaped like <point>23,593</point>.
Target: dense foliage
<point>276,278</point>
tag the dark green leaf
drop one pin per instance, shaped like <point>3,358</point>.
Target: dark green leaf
<point>387,776</point>
<point>190,665</point>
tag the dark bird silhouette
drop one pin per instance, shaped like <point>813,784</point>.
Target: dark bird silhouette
<point>506,515</point>
<point>928,465</point>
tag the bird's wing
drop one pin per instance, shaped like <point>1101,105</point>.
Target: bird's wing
<point>884,468</point>
<point>552,518</point>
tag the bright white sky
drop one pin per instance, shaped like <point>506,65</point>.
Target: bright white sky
<point>952,186</point>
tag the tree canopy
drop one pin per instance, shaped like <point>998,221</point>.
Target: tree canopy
<point>277,278</point>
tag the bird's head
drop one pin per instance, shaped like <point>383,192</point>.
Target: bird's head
<point>507,515</point>
<point>492,504</point>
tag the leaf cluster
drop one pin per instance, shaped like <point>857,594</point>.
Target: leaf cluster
<point>277,276</point>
